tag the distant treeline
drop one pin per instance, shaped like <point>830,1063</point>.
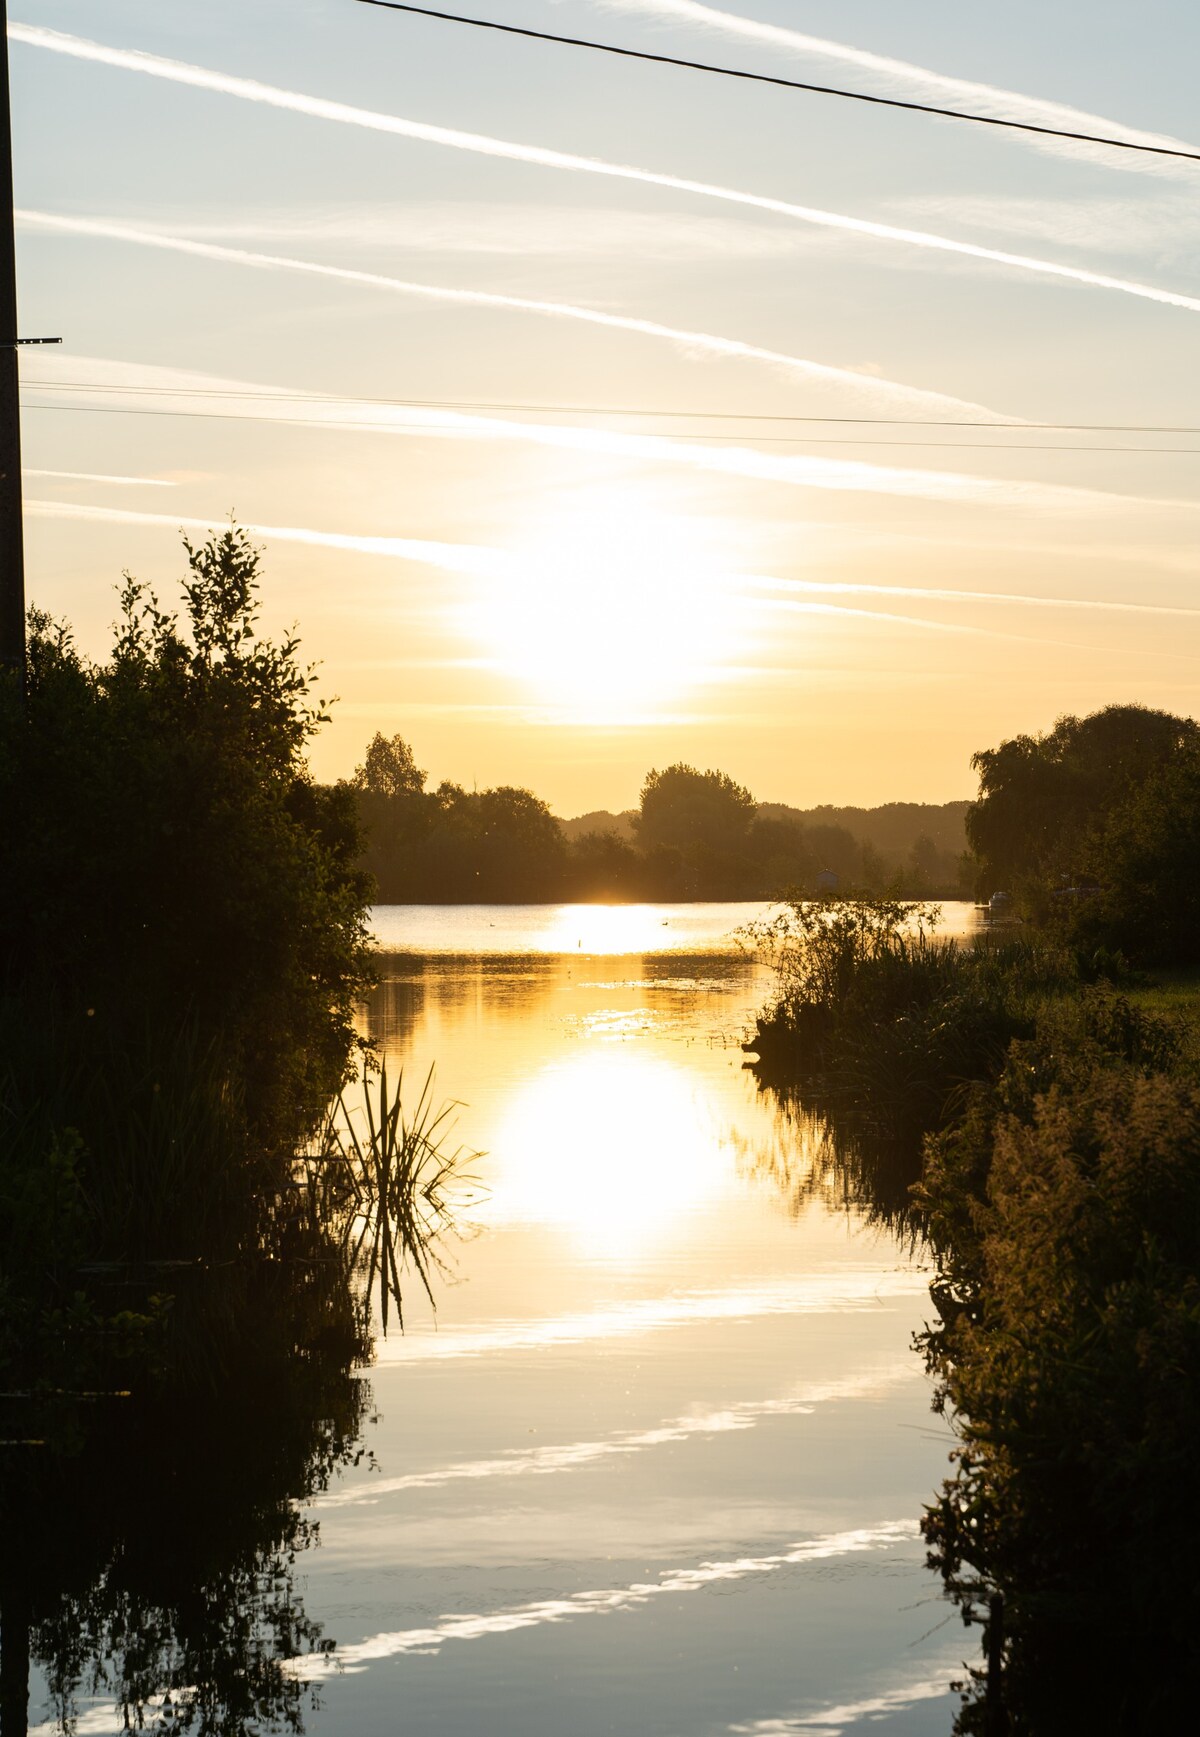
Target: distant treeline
<point>694,835</point>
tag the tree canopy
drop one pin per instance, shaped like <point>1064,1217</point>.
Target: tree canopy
<point>680,806</point>
<point>1043,800</point>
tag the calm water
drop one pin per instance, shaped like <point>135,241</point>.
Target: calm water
<point>656,1465</point>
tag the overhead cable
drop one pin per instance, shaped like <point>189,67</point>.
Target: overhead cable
<point>857,96</point>
<point>345,425</point>
<point>510,406</point>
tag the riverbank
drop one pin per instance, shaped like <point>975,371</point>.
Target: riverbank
<point>1052,1126</point>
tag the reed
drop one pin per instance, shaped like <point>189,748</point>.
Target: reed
<point>384,1183</point>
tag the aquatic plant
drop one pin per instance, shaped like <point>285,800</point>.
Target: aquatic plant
<point>383,1182</point>
<point>878,1016</point>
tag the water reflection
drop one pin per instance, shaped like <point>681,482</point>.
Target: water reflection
<point>151,1542</point>
<point>614,1148</point>
<point>673,1388</point>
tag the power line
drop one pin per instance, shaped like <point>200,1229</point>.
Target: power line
<point>274,397</point>
<point>344,426</point>
<point>857,96</point>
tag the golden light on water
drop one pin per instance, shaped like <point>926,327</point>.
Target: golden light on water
<point>610,610</point>
<point>615,1149</point>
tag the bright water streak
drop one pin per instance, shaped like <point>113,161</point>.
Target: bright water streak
<point>658,1465</point>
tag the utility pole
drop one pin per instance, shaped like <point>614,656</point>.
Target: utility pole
<point>12,536</point>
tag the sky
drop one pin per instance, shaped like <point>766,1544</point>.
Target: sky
<point>367,283</point>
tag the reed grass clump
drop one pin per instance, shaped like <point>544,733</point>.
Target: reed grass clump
<point>876,1013</point>
<point>384,1183</point>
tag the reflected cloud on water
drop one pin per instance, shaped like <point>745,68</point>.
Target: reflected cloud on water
<point>826,1292</point>
<point>611,1600</point>
<point>929,1685</point>
<point>571,1456</point>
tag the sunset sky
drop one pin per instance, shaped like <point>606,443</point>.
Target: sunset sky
<point>359,278</point>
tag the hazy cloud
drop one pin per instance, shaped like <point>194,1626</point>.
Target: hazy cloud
<point>321,108</point>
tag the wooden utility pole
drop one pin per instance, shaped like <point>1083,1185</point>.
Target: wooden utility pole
<point>12,537</point>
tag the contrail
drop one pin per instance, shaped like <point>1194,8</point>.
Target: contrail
<point>478,560</point>
<point>200,395</point>
<point>924,84</point>
<point>931,594</point>
<point>141,482</point>
<point>863,385</point>
<point>321,108</point>
<point>450,557</point>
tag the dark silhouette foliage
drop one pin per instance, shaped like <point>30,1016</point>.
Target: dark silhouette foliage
<point>182,942</point>
<point>1042,798</point>
<point>698,835</point>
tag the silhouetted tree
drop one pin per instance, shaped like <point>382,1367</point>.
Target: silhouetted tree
<point>388,768</point>
<point>681,806</point>
<point>1042,798</point>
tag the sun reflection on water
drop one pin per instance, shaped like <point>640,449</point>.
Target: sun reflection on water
<point>613,1148</point>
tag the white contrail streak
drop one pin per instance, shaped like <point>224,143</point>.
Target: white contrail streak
<point>499,566</point>
<point>925,85</point>
<point>481,561</point>
<point>177,391</point>
<point>931,594</point>
<point>449,557</point>
<point>146,482</point>
<point>485,563</point>
<point>321,108</point>
<point>866,386</point>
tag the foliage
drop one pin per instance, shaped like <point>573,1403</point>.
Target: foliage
<point>389,1194</point>
<point>1066,1204</point>
<point>1041,798</point>
<point>681,806</point>
<point>699,836</point>
<point>388,769</point>
<point>174,855</point>
<point>1149,845</point>
<point>873,1010</point>
<point>182,944</point>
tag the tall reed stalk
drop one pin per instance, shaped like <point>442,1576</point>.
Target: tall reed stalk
<point>383,1181</point>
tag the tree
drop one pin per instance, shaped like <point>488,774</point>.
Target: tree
<point>1147,851</point>
<point>1043,798</point>
<point>681,806</point>
<point>175,862</point>
<point>388,769</point>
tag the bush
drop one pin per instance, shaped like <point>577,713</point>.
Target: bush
<point>182,937</point>
<point>874,1010</point>
<point>1068,1209</point>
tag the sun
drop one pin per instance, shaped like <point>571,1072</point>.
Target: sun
<point>610,611</point>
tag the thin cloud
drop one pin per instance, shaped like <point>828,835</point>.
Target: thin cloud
<point>943,594</point>
<point>867,388</point>
<point>924,85</point>
<point>510,229</point>
<point>449,557</point>
<point>802,596</point>
<point>87,476</point>
<point>321,108</point>
<point>115,386</point>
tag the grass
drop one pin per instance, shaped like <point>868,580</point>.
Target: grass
<point>383,1181</point>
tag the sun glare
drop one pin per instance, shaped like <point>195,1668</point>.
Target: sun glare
<point>614,1149</point>
<point>610,612</point>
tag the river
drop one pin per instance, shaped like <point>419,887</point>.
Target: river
<point>655,1465</point>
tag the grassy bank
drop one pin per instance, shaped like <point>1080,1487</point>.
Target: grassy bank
<point>1053,1127</point>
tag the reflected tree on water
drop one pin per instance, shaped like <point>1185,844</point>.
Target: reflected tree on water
<point>152,1535</point>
